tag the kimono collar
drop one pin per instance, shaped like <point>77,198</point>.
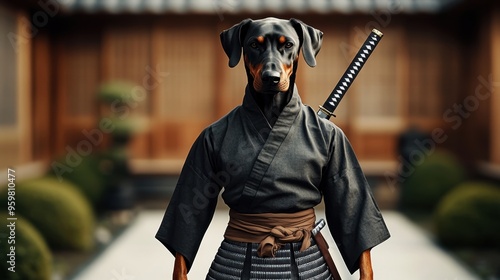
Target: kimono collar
<point>285,119</point>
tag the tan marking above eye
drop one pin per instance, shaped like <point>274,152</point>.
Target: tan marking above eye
<point>282,39</point>
<point>260,39</point>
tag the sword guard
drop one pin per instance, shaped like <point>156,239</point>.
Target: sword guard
<point>324,113</point>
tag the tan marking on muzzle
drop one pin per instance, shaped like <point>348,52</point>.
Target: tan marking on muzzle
<point>286,72</point>
<point>255,71</point>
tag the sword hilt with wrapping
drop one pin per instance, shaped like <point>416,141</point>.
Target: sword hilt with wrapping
<point>327,109</point>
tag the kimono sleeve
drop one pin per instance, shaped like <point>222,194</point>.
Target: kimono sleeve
<point>193,202</point>
<point>353,216</point>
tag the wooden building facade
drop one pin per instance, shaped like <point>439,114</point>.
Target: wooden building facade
<point>439,70</point>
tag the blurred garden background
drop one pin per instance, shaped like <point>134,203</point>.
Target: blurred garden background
<point>101,100</point>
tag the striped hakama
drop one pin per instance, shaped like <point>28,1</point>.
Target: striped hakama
<point>238,260</point>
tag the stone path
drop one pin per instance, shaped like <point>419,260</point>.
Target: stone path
<point>408,255</point>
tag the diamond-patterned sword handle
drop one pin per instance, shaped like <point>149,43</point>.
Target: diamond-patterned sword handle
<point>326,111</point>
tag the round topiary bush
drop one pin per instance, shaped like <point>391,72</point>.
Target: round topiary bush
<point>430,181</point>
<point>88,176</point>
<point>468,216</point>
<point>58,210</point>
<point>31,256</point>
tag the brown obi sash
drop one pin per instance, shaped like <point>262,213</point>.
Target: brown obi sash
<point>271,230</point>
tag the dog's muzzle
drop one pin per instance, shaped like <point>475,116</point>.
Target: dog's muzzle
<point>272,78</point>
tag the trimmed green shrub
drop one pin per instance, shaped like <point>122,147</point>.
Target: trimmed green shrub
<point>431,180</point>
<point>114,91</point>
<point>88,177</point>
<point>33,260</point>
<point>117,94</point>
<point>468,216</point>
<point>58,210</point>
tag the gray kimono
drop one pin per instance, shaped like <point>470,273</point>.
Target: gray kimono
<point>281,169</point>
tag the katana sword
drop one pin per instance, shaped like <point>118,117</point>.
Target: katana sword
<point>326,110</point>
<point>323,248</point>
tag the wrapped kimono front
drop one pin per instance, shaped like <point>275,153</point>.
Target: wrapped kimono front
<point>263,170</point>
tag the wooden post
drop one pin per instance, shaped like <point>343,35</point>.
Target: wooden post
<point>23,91</point>
<point>495,96</point>
<point>41,97</point>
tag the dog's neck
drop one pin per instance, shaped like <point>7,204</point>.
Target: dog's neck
<point>271,105</point>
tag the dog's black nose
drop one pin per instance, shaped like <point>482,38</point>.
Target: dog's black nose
<point>270,77</point>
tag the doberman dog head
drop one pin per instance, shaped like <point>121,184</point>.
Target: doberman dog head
<point>271,49</point>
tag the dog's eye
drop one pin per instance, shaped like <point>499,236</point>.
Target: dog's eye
<point>288,45</point>
<point>253,45</point>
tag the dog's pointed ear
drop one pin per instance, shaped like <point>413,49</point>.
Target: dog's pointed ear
<point>231,41</point>
<point>311,39</point>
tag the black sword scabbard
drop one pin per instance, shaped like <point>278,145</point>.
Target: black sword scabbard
<point>326,110</point>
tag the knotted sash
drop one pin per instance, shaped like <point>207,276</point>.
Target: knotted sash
<point>271,230</point>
